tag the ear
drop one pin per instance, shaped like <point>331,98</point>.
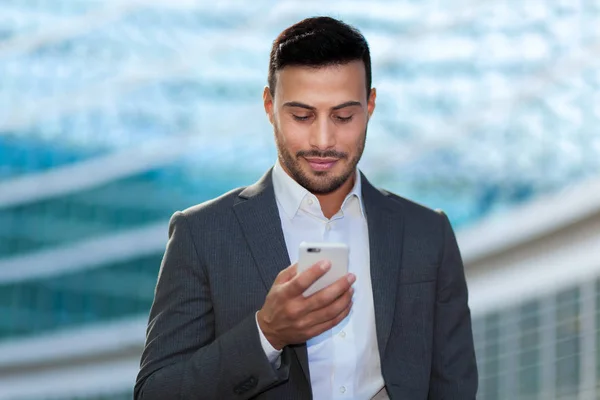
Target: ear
<point>371,102</point>
<point>268,104</point>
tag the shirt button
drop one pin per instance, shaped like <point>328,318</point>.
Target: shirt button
<point>342,334</point>
<point>343,389</point>
<point>328,227</point>
<point>309,201</point>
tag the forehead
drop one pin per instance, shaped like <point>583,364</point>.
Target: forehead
<point>322,86</point>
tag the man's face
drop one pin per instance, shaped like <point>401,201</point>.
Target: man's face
<point>320,116</point>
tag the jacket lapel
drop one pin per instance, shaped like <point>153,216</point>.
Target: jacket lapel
<point>258,215</point>
<point>386,229</point>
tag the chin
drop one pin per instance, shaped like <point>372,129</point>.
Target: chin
<point>324,182</point>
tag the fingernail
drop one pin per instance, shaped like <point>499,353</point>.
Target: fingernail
<point>351,278</point>
<point>325,265</point>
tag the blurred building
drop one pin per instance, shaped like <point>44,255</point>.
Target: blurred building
<point>113,115</point>
<point>534,276</point>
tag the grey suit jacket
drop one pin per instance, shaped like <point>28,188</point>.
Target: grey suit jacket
<point>223,256</point>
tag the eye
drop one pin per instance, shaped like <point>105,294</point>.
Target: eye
<point>343,119</point>
<point>300,117</point>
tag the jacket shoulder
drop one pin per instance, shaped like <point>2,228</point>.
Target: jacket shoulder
<point>212,208</point>
<point>424,227</point>
<point>413,208</point>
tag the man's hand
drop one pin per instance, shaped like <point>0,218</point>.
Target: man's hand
<point>287,317</point>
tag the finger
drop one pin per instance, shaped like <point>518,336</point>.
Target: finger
<point>326,325</point>
<point>302,281</point>
<point>332,310</point>
<point>287,274</point>
<point>331,293</point>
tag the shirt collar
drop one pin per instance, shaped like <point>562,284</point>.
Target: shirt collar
<point>290,193</point>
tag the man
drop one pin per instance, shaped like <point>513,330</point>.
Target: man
<point>229,319</point>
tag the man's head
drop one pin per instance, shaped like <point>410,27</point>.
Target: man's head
<point>319,100</point>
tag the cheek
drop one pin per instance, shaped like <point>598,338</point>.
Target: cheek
<point>351,137</point>
<point>293,136</point>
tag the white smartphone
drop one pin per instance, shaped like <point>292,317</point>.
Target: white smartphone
<point>312,253</point>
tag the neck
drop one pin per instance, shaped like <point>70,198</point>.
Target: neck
<point>332,202</point>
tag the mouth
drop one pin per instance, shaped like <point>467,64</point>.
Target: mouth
<point>321,164</point>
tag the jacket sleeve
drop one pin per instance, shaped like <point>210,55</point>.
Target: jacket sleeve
<point>182,358</point>
<point>454,369</point>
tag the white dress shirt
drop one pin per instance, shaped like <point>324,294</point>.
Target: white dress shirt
<point>344,361</point>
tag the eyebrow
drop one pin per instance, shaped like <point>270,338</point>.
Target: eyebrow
<point>306,106</point>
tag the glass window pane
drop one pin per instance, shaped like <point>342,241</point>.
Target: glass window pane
<point>491,361</point>
<point>568,338</point>
<point>529,353</point>
<point>479,341</point>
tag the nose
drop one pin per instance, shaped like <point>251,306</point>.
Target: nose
<point>322,135</point>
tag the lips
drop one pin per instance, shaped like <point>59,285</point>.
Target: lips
<point>321,164</point>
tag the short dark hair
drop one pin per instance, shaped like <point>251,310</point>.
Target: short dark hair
<point>318,42</point>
